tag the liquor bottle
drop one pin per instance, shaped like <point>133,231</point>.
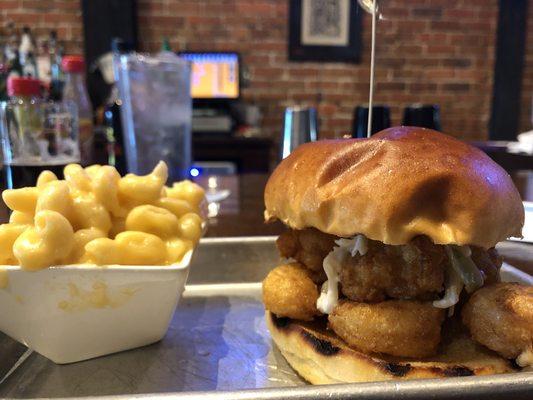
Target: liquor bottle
<point>27,45</point>
<point>56,74</point>
<point>76,91</point>
<point>112,117</point>
<point>15,67</point>
<point>29,68</point>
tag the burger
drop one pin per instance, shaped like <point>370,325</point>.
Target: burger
<point>391,269</point>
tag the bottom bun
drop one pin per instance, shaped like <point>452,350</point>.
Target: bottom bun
<point>320,357</point>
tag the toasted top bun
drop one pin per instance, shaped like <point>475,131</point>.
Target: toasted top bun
<point>400,183</point>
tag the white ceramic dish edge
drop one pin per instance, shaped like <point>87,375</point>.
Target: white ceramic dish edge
<point>77,312</point>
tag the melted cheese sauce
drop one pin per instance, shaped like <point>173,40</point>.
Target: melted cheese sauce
<point>329,296</point>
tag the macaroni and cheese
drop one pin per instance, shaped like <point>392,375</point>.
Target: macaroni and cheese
<point>95,216</point>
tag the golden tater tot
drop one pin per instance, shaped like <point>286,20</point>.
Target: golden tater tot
<point>23,218</point>
<point>8,234</point>
<point>155,220</point>
<point>23,200</point>
<point>47,243</point>
<point>404,328</point>
<point>288,291</point>
<point>500,316</point>
<point>45,177</point>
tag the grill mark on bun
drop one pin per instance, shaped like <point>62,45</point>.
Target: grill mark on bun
<point>280,322</point>
<point>322,346</point>
<point>457,371</point>
<point>397,369</point>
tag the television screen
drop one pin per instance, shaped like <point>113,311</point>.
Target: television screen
<point>214,75</point>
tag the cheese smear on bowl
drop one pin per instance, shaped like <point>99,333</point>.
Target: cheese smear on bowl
<point>329,295</point>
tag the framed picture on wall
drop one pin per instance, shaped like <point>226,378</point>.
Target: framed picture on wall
<point>324,30</point>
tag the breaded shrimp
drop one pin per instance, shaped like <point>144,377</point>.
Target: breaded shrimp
<point>309,247</point>
<point>398,327</point>
<point>500,316</point>
<point>288,291</point>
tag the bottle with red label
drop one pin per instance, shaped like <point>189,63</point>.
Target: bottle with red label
<point>76,91</point>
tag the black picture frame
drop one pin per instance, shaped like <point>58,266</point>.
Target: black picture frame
<point>329,53</point>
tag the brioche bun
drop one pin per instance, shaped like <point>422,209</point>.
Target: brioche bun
<point>398,184</point>
<point>320,357</point>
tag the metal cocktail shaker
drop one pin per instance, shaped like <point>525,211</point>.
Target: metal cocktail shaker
<point>299,126</point>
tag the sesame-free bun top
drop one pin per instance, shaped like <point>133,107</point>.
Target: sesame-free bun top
<point>400,183</point>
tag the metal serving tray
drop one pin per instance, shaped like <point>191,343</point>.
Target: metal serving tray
<point>218,347</point>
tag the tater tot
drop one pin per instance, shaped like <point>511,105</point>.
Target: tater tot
<point>155,220</point>
<point>288,291</point>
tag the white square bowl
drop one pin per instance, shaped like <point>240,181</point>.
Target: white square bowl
<point>77,312</point>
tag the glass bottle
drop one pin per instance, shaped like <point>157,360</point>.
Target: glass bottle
<point>76,91</point>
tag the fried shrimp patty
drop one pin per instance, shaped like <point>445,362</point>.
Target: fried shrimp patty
<point>289,291</point>
<point>500,316</point>
<point>398,327</point>
<point>309,247</point>
<point>411,271</point>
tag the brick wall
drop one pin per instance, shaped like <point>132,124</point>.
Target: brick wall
<point>431,51</point>
<point>526,108</point>
<point>438,51</point>
<point>44,15</point>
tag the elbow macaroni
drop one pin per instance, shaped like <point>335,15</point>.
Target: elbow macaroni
<point>95,216</point>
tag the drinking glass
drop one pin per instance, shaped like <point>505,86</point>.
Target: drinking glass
<point>37,136</point>
<point>156,112</point>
